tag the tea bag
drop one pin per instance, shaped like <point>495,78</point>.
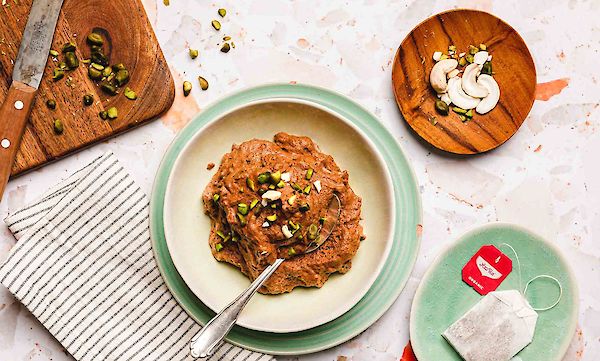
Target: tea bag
<point>499,326</point>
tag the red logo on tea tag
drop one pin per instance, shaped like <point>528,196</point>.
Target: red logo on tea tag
<point>486,270</point>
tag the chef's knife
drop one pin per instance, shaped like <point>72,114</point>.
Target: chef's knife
<point>26,77</point>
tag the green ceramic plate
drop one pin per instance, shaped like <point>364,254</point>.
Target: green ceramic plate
<point>442,297</point>
<point>395,271</point>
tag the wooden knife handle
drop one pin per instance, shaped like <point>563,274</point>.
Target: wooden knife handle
<point>14,113</point>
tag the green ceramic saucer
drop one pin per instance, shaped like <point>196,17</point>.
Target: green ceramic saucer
<point>442,297</point>
<point>395,271</point>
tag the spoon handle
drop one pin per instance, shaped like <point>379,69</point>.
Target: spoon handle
<point>205,342</point>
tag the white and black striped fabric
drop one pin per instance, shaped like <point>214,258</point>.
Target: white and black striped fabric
<point>83,265</point>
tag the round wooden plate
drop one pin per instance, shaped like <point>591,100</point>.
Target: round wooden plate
<point>514,72</point>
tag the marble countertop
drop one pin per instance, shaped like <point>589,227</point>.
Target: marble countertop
<point>545,178</point>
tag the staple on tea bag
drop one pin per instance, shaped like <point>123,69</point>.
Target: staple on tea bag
<point>499,326</point>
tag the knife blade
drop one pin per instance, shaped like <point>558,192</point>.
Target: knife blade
<point>26,78</point>
<point>36,42</point>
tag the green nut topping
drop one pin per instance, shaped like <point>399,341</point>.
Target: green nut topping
<point>193,53</point>
<point>69,47</point>
<point>122,77</point>
<point>218,247</point>
<point>242,208</point>
<point>107,71</point>
<point>51,104</point>
<point>130,94</point>
<point>58,74</point>
<point>216,24</point>
<point>222,13</point>
<point>216,197</point>
<point>275,177</point>
<point>459,110</point>
<point>112,113</point>
<point>94,73</point>
<point>53,53</point>
<point>296,187</point>
<point>253,203</point>
<point>95,39</point>
<point>250,184</point>
<point>487,68</point>
<point>469,58</point>
<point>108,88</point>
<point>304,207</point>
<point>187,88</point>
<point>292,200</point>
<point>281,184</point>
<point>462,61</point>
<point>242,219</point>
<point>272,217</point>
<point>441,107</point>
<point>469,113</point>
<point>264,177</point>
<point>313,232</point>
<point>291,251</point>
<point>306,189</point>
<point>58,126</point>
<point>98,57</point>
<point>88,100</point>
<point>103,115</point>
<point>473,49</point>
<point>97,66</point>
<point>309,174</point>
<point>225,48</point>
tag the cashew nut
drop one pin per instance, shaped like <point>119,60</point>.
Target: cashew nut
<point>488,103</point>
<point>458,95</point>
<point>469,82</point>
<point>437,77</point>
<point>480,57</point>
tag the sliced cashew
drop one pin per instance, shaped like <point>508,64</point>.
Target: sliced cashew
<point>458,95</point>
<point>437,77</point>
<point>488,103</point>
<point>453,73</point>
<point>469,82</point>
<point>480,57</point>
<point>437,55</point>
<point>445,98</point>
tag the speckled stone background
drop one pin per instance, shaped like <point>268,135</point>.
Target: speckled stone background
<point>546,178</point>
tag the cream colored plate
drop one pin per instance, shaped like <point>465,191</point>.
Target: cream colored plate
<point>187,227</point>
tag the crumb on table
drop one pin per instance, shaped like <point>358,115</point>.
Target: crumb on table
<point>210,165</point>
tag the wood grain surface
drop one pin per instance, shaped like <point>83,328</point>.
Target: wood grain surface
<point>129,39</point>
<point>514,72</point>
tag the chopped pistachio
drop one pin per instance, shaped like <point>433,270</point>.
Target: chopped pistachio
<point>443,57</point>
<point>221,235</point>
<point>242,219</point>
<point>459,110</point>
<point>112,113</point>
<point>94,73</point>
<point>304,207</point>
<point>309,174</point>
<point>250,184</point>
<point>482,47</point>
<point>272,217</point>
<point>225,48</point>
<point>452,48</point>
<point>253,203</point>
<point>306,189</point>
<point>441,107</point>
<point>53,53</point>
<point>108,88</point>
<point>62,65</point>
<point>322,220</point>
<point>281,184</point>
<point>313,232</point>
<point>487,68</point>
<point>69,47</point>
<point>275,177</point>
<point>193,53</point>
<point>119,66</point>
<point>98,57</point>
<point>98,66</point>
<point>463,118</point>
<point>473,50</point>
<point>469,113</point>
<point>58,126</point>
<point>242,208</point>
<point>216,24</point>
<point>187,88</point>
<point>291,200</point>
<point>222,12</point>
<point>95,39</point>
<point>296,187</point>
<point>203,83</point>
<point>58,74</point>
<point>88,99</point>
<point>271,186</point>
<point>122,77</point>
<point>107,71</point>
<point>226,38</point>
<point>218,246</point>
<point>51,104</point>
<point>264,177</point>
<point>103,115</point>
<point>469,58</point>
<point>291,251</point>
<point>216,197</point>
<point>86,61</point>
<point>130,94</point>
<point>462,61</point>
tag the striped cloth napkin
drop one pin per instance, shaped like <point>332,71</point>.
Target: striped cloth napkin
<point>83,265</point>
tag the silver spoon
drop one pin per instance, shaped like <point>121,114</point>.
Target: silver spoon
<point>205,342</point>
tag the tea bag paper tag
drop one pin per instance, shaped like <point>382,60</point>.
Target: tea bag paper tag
<point>486,270</point>
<point>499,326</point>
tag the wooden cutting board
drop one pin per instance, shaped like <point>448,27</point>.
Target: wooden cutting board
<point>129,39</point>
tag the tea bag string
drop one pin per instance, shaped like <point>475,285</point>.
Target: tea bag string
<point>524,292</point>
